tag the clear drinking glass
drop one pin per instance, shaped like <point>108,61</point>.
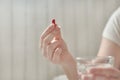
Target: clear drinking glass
<point>85,63</point>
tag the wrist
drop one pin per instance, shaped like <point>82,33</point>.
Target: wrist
<point>68,59</point>
<point>71,71</point>
<point>70,67</point>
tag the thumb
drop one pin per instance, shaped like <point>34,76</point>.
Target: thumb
<point>58,36</point>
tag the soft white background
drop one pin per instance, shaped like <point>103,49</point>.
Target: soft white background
<point>22,22</point>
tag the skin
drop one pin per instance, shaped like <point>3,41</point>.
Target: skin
<point>55,50</point>
<point>107,48</point>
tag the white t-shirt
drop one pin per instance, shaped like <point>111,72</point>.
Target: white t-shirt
<point>112,29</point>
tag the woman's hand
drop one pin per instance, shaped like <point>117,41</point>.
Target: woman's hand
<point>110,73</point>
<point>53,46</point>
<point>54,49</point>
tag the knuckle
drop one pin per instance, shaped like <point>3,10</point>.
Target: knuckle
<point>111,70</point>
<point>41,37</point>
<point>54,45</point>
<point>59,50</point>
<point>45,41</point>
<point>49,50</point>
<point>55,32</point>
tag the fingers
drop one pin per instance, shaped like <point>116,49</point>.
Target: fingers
<point>50,43</point>
<point>107,72</point>
<point>51,31</point>
<point>56,55</point>
<point>51,49</point>
<point>47,41</point>
<point>58,37</point>
<point>46,32</point>
<point>87,77</point>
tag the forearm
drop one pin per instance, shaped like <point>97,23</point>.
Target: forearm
<point>109,48</point>
<point>71,71</point>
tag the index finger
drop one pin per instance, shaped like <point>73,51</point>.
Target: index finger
<point>49,29</point>
<point>46,32</point>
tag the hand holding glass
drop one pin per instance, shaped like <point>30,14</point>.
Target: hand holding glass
<point>84,64</point>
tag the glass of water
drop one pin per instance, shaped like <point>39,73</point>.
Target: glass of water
<point>85,63</point>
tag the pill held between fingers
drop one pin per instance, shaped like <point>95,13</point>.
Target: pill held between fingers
<point>53,21</point>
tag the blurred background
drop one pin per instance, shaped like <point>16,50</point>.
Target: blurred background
<point>23,21</point>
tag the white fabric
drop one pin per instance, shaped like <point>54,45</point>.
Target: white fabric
<point>112,30</point>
